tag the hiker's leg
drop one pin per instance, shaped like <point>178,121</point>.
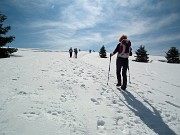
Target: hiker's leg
<point>118,71</point>
<point>124,72</point>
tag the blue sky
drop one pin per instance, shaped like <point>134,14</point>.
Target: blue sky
<point>89,24</point>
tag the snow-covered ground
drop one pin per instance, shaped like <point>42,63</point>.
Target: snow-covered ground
<point>48,93</point>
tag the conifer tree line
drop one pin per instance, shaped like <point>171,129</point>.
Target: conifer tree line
<point>172,56</point>
<point>4,40</point>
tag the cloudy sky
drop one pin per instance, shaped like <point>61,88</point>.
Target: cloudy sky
<point>89,24</point>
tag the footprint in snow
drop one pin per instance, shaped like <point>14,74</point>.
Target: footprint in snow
<point>53,113</point>
<point>63,98</point>
<point>83,85</point>
<point>31,115</point>
<point>101,126</point>
<point>22,93</point>
<point>14,79</point>
<point>169,95</point>
<point>104,89</point>
<point>95,101</point>
<point>118,119</point>
<point>40,88</point>
<point>44,70</point>
<point>149,91</point>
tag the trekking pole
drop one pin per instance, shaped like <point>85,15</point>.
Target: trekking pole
<point>109,69</point>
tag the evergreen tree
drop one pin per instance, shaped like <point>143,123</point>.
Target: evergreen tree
<point>102,52</point>
<point>4,52</point>
<point>142,55</point>
<point>172,55</point>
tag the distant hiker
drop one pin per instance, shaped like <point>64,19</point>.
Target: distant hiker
<point>89,51</point>
<point>75,53</point>
<point>124,50</point>
<point>70,52</point>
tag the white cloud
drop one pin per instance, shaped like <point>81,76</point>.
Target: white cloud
<point>167,20</point>
<point>85,22</point>
<point>82,14</point>
<point>153,41</point>
<point>84,41</point>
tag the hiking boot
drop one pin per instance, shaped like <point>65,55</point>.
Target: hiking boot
<point>123,88</point>
<point>118,84</point>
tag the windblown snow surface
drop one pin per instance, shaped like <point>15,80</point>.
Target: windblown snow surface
<point>48,93</point>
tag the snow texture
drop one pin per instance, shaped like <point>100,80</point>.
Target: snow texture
<point>47,93</point>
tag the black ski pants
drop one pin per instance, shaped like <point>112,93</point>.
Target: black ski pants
<point>70,54</point>
<point>121,63</point>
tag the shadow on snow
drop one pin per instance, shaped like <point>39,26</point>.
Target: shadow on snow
<point>152,119</point>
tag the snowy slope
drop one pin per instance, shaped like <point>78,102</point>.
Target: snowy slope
<point>48,93</point>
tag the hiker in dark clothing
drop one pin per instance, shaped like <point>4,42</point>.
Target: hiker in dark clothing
<point>123,49</point>
<point>75,52</point>
<point>70,52</point>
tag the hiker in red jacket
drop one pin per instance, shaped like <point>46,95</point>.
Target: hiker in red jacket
<point>123,50</point>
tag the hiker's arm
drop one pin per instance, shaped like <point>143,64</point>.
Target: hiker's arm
<point>115,51</point>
